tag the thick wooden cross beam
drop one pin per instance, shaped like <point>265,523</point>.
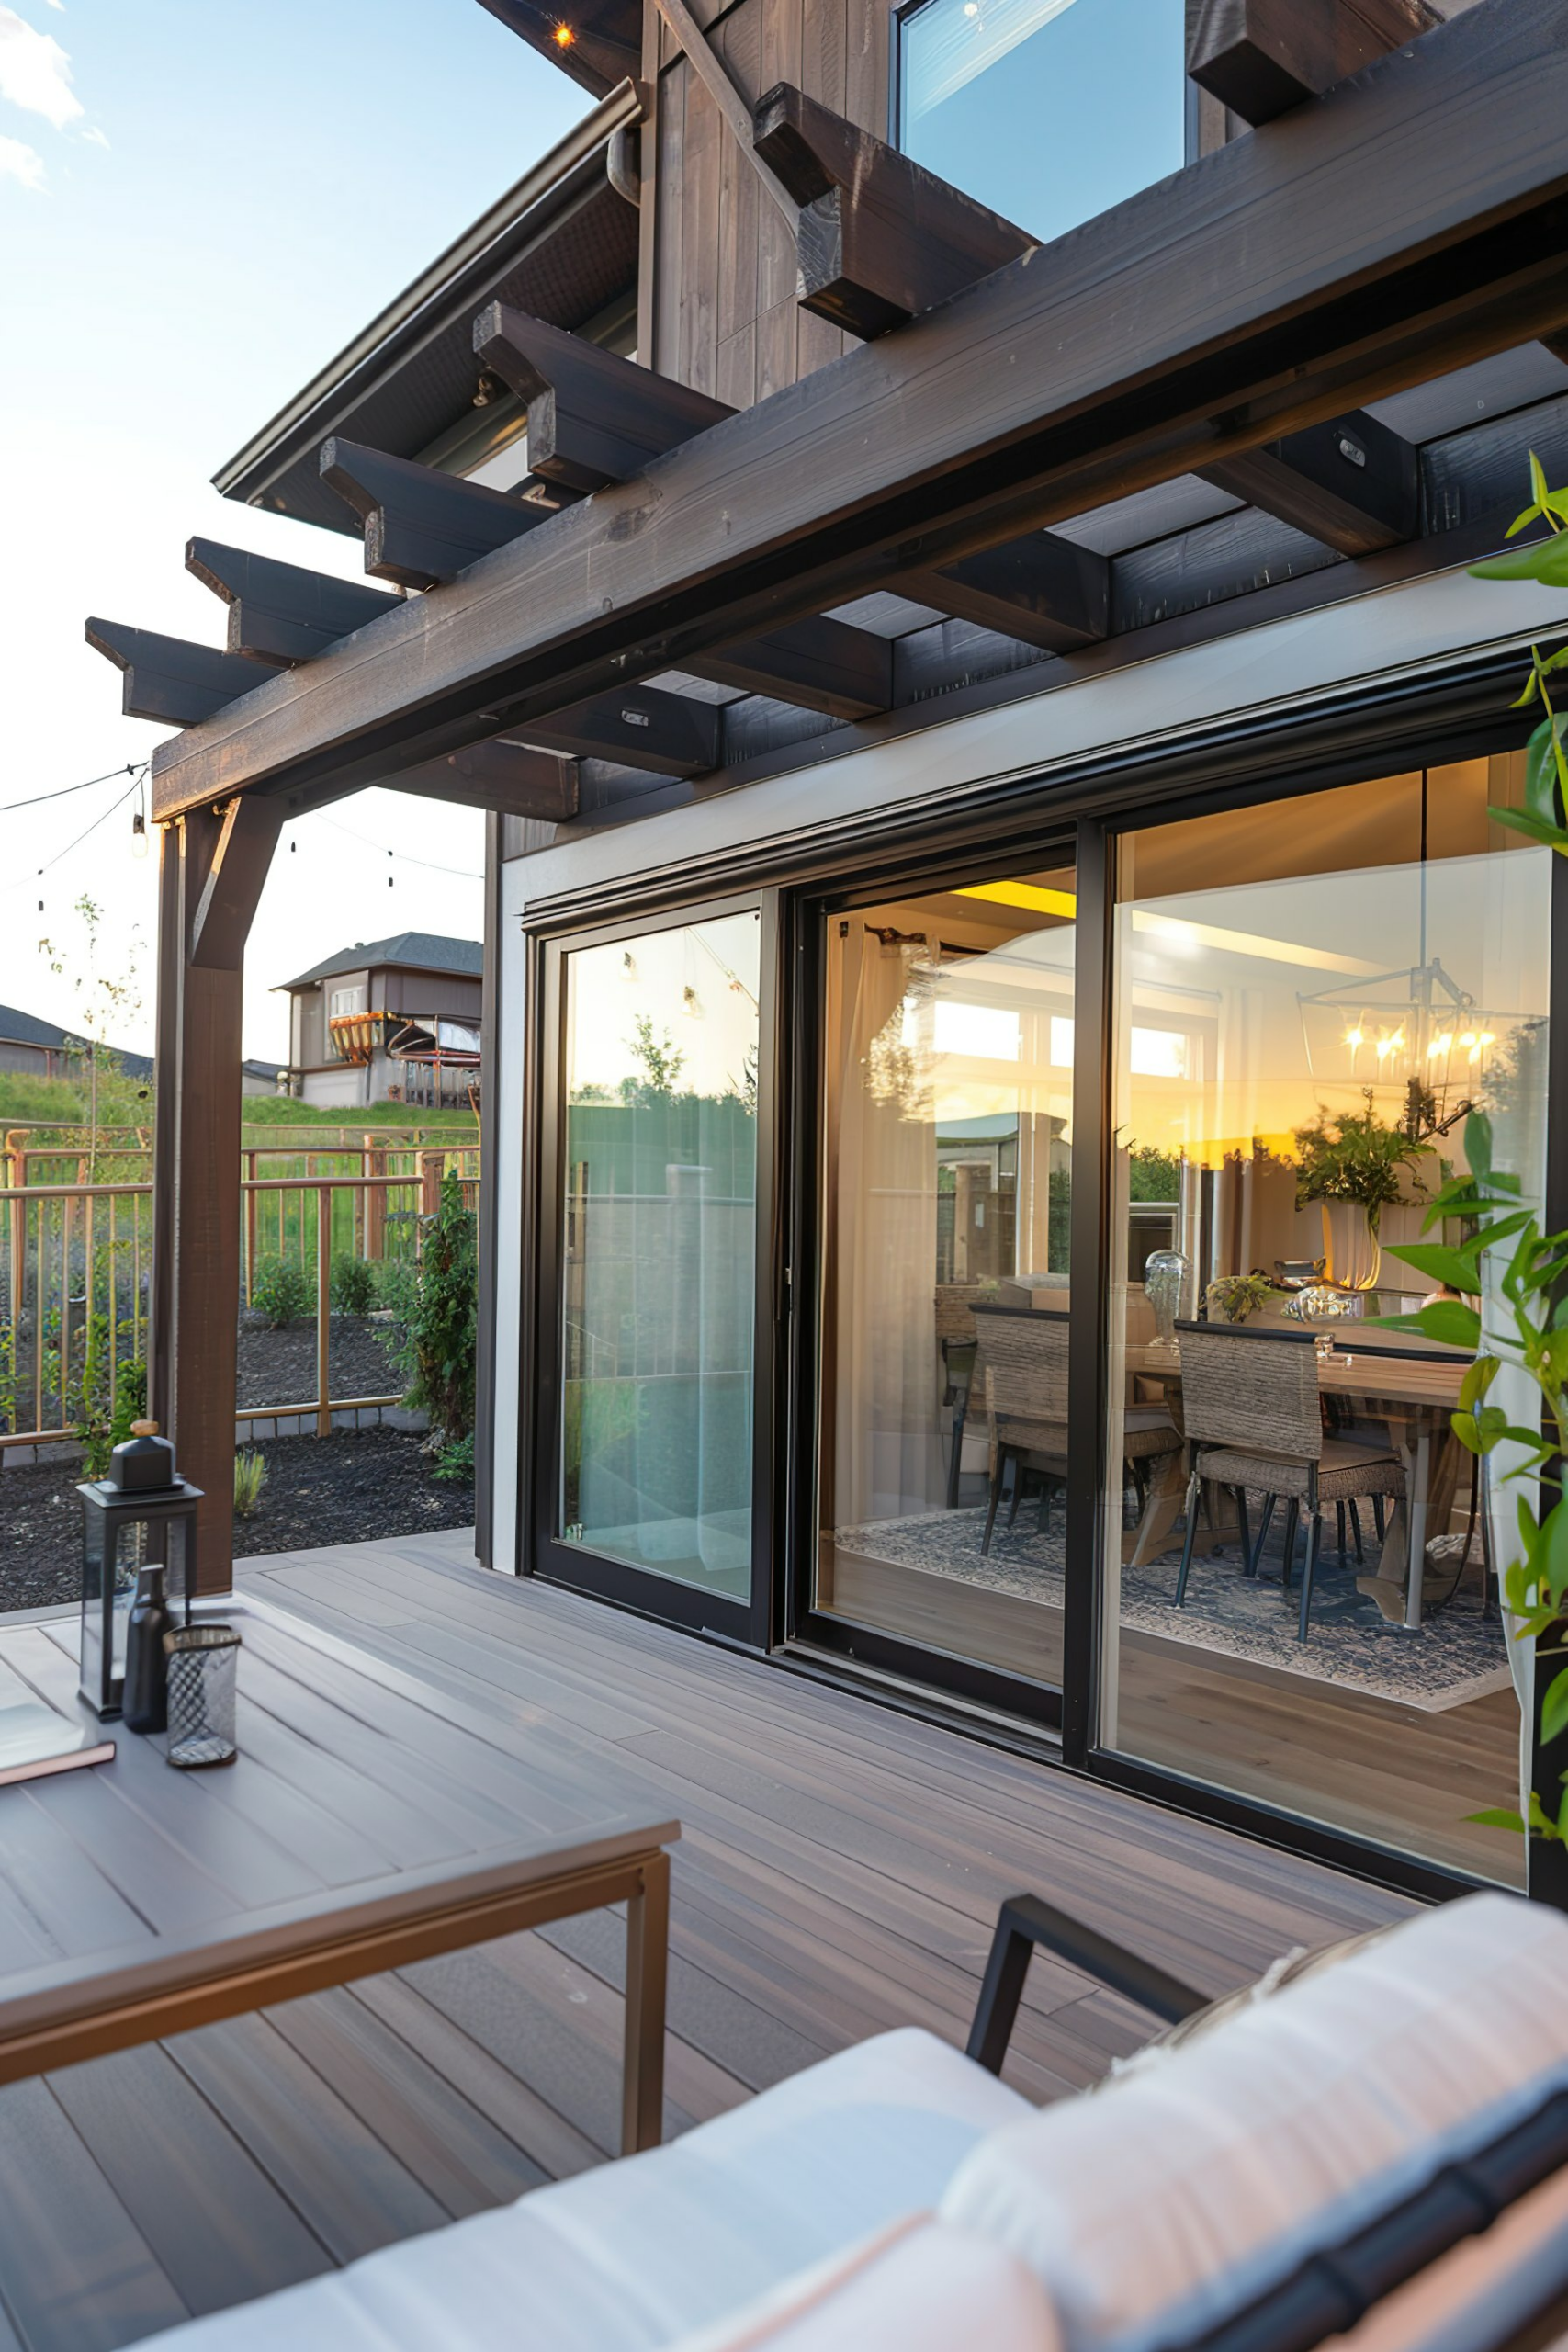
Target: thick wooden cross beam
<point>880,240</point>
<point>1043,590</point>
<point>1259,57</point>
<point>1349,482</point>
<point>645,727</point>
<point>512,779</point>
<point>169,679</point>
<point>594,419</point>
<point>278,613</point>
<point>422,526</point>
<point>1352,251</point>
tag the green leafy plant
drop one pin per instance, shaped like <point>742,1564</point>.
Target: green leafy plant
<point>108,1401</point>
<point>435,1342</point>
<point>282,1292</point>
<point>1533,1282</point>
<point>1355,1156</point>
<point>354,1286</point>
<point>249,1477</point>
<point>455,1463</point>
<point>1239,1295</point>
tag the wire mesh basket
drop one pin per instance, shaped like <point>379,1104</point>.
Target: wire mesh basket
<point>203,1673</point>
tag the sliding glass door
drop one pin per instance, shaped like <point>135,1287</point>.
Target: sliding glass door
<point>1309,998</point>
<point>944,1210</point>
<point>646,1483</point>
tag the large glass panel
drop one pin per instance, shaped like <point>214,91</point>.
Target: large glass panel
<point>946,1216</point>
<point>1309,995</point>
<point>1050,111</point>
<point>659,1257</point>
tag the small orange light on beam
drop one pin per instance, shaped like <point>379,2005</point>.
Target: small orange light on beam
<point>563,37</point>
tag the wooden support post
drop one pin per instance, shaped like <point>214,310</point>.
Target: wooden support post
<point>374,1164</point>
<point>250,1228</point>
<point>431,1168</point>
<point>196,1201</point>
<point>880,240</point>
<point>1259,57</point>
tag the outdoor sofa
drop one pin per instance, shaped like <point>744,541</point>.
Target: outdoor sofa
<point>1371,2147</point>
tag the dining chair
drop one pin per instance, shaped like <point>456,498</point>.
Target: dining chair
<point>957,1340</point>
<point>1023,1351</point>
<point>1254,1422</point>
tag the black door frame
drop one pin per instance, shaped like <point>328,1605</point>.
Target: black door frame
<point>1045,842</point>
<point>1457,709</point>
<point>575,1566</point>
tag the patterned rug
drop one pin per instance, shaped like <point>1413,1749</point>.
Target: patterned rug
<point>1456,1655</point>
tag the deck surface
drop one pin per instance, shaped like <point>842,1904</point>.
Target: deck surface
<point>839,1871</point>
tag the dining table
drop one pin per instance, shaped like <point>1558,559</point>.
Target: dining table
<point>1411,1392</point>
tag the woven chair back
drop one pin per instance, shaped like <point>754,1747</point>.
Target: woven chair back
<point>955,1310</point>
<point>1023,1351</point>
<point>1253,1390</point>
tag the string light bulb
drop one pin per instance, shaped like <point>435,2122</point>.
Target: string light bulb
<point>138,834</point>
<point>563,37</point>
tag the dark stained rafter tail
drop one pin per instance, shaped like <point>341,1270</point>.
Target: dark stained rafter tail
<point>169,679</point>
<point>279,612</point>
<point>1261,57</point>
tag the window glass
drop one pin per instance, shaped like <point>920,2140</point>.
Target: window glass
<point>947,1217</point>
<point>659,1225</point>
<point>1050,111</point>
<point>1309,995</point>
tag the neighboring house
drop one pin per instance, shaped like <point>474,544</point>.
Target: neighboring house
<point>263,1078</point>
<point>45,1050</point>
<point>348,1013</point>
<point>989,732</point>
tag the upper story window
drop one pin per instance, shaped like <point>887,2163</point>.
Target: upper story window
<point>1050,111</point>
<point>345,1003</point>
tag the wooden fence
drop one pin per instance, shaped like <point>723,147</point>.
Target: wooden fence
<point>75,1278</point>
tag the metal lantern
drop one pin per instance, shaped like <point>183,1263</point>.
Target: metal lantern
<point>123,1532</point>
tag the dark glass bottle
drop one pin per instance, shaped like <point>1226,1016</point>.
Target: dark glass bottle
<point>146,1706</point>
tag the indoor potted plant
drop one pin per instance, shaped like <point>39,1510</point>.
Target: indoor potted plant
<point>1351,1164</point>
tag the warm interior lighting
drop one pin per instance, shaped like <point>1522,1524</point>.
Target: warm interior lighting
<point>1441,1045</point>
<point>1190,936</point>
<point>1354,1037</point>
<point>1024,894</point>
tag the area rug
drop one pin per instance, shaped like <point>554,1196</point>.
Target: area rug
<point>1456,1655</point>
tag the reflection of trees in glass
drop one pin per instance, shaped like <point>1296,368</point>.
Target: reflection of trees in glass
<point>1152,1174</point>
<point>659,1062</point>
<point>1059,1223</point>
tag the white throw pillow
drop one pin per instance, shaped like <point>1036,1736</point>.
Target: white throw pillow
<point>1192,2188</point>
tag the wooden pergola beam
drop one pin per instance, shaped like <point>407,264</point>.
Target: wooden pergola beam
<point>279,612</point>
<point>1043,590</point>
<point>645,727</point>
<point>1353,249</point>
<point>512,779</point>
<point>1261,57</point>
<point>880,239</point>
<point>168,678</point>
<point>1350,482</point>
<point>423,526</point>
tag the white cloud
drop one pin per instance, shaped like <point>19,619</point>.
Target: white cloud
<point>35,72</point>
<point>57,4</point>
<point>19,162</point>
<point>95,137</point>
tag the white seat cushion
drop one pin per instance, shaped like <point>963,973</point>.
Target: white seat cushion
<point>1184,2192</point>
<point>922,2285</point>
<point>636,2254</point>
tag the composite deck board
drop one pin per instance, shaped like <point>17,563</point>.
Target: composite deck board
<point>839,1874</point>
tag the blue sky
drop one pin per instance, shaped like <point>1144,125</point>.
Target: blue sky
<point>200,204</point>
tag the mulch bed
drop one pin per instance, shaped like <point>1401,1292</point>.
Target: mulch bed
<point>352,1488</point>
<point>279,1367</point>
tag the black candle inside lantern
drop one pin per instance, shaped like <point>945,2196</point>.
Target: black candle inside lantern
<point>126,1529</point>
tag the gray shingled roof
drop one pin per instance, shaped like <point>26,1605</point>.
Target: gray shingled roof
<point>417,950</point>
<point>18,1028</point>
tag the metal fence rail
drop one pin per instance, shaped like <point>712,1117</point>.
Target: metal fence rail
<point>76,1279</point>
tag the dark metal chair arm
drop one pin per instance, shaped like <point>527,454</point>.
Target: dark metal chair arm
<point>1023,1922</point>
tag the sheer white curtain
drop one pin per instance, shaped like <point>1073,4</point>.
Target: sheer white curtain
<point>887,1458</point>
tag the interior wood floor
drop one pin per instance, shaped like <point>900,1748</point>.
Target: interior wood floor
<point>839,1873</point>
<point>1393,1773</point>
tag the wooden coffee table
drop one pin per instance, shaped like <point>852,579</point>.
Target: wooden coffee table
<point>141,1845</point>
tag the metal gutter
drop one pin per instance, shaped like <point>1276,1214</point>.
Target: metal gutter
<point>519,216</point>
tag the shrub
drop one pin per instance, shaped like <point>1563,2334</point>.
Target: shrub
<point>100,1428</point>
<point>457,1461</point>
<point>354,1286</point>
<point>436,1344</point>
<point>249,1477</point>
<point>282,1292</point>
